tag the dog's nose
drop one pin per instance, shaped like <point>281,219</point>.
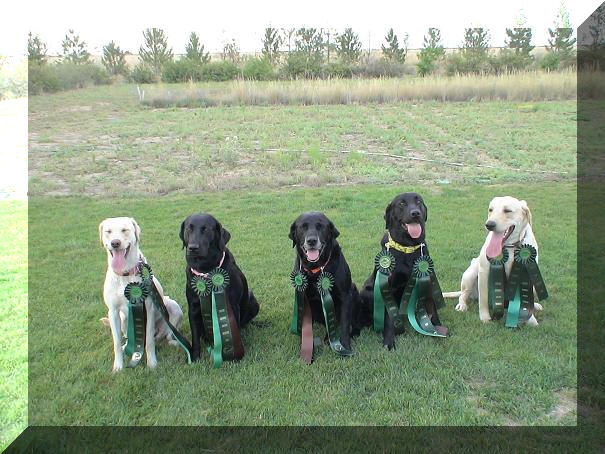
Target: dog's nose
<point>311,241</point>
<point>115,244</point>
<point>192,247</point>
<point>490,225</point>
<point>415,213</point>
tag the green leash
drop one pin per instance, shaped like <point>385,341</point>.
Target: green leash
<point>325,283</point>
<point>136,294</point>
<point>215,316</point>
<point>524,277</point>
<point>422,287</point>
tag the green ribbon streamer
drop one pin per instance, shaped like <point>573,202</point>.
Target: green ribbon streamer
<point>327,304</point>
<point>135,346</point>
<point>413,304</point>
<point>536,279</point>
<point>297,314</point>
<point>216,351</point>
<point>495,290</point>
<point>383,299</point>
<point>520,308</point>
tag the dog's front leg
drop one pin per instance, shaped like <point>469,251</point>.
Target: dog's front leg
<point>346,313</point>
<point>388,335</point>
<point>483,294</point>
<point>116,332</point>
<point>150,335</point>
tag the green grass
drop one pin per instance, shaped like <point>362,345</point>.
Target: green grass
<point>13,320</point>
<point>100,141</point>
<point>484,374</point>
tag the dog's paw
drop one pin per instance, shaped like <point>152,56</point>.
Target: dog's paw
<point>389,345</point>
<point>195,356</point>
<point>485,318</point>
<point>461,306</point>
<point>532,321</point>
<point>117,367</point>
<point>152,364</point>
<point>173,343</point>
<point>538,306</point>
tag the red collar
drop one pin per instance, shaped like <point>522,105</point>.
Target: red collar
<point>198,273</point>
<point>318,269</point>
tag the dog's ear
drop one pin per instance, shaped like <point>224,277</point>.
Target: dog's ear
<point>426,211</point>
<point>101,232</point>
<point>223,236</point>
<point>527,212</point>
<point>387,215</point>
<point>334,231</point>
<point>182,234</point>
<point>292,234</point>
<point>137,230</point>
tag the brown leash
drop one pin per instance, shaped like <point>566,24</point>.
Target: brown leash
<point>238,347</point>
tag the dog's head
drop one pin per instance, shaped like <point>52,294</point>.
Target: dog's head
<point>405,218</point>
<point>121,237</point>
<point>313,235</point>
<point>507,219</point>
<point>203,237</point>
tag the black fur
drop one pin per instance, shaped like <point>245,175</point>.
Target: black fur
<point>399,212</point>
<point>315,225</point>
<point>205,239</point>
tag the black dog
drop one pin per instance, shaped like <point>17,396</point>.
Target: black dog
<point>205,241</point>
<point>405,219</point>
<point>314,237</point>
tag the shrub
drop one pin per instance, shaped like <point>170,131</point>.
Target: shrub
<point>143,74</point>
<point>64,76</point>
<point>551,61</point>
<point>258,69</point>
<point>183,70</point>
<point>219,71</point>
<point>432,51</point>
<point>36,49</point>
<point>298,65</point>
<point>337,71</point>
<point>507,61</point>
<point>13,80</point>
<point>382,68</point>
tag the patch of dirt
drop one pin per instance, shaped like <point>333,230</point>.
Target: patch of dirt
<point>153,139</point>
<point>568,403</point>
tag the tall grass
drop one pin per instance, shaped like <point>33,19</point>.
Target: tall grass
<point>526,86</point>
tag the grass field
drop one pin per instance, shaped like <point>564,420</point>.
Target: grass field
<point>481,375</point>
<point>101,141</point>
<point>13,319</point>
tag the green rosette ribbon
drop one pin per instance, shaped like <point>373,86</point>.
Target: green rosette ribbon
<point>222,335</point>
<point>300,282</point>
<point>524,277</point>
<point>383,298</point>
<point>136,293</point>
<point>325,283</point>
<point>496,284</point>
<point>422,287</point>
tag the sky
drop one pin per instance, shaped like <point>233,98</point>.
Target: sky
<point>123,21</point>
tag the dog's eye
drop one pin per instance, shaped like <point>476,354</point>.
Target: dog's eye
<point>506,210</point>
<point>305,226</point>
<point>403,204</point>
<point>203,228</point>
<point>108,231</point>
<point>490,210</point>
<point>124,230</point>
<point>318,226</point>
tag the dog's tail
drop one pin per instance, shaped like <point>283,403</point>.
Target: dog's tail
<point>452,294</point>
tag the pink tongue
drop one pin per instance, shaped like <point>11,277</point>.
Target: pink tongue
<point>414,230</point>
<point>494,248</point>
<point>118,261</point>
<point>312,255</point>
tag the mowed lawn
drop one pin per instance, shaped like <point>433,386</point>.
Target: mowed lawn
<point>483,374</point>
<point>13,319</point>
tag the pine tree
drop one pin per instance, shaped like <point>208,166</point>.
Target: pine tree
<point>348,46</point>
<point>74,50</point>
<point>36,49</point>
<point>271,43</point>
<point>114,59</point>
<point>432,50</point>
<point>194,50</point>
<point>561,41</point>
<point>231,52</point>
<point>155,52</point>
<point>393,52</point>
